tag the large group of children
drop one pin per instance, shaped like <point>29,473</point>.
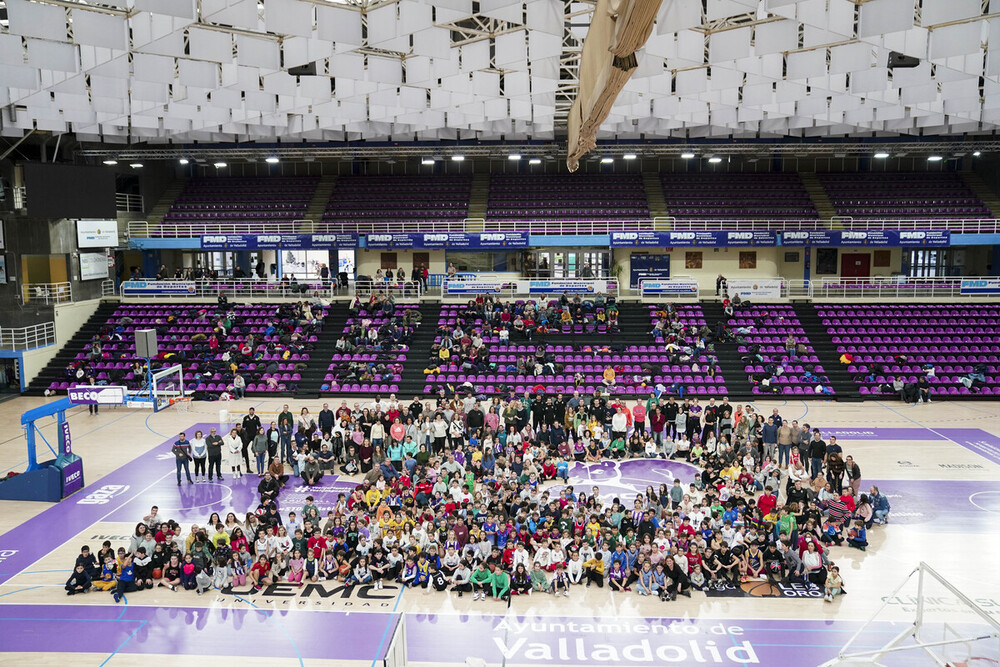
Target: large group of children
<point>472,497</point>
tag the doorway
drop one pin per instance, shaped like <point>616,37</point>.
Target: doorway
<point>855,265</point>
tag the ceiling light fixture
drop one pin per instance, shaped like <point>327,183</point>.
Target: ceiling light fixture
<point>111,163</point>
<point>535,160</point>
<point>136,165</point>
<point>272,160</point>
<point>934,158</point>
<point>221,165</point>
<point>607,160</point>
<point>629,156</point>
<point>976,154</point>
<point>457,158</point>
<point>687,156</point>
<point>715,160</point>
<point>183,160</point>
<point>881,156</point>
<point>513,156</point>
<point>427,160</point>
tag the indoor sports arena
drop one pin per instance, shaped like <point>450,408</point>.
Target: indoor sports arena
<point>360,333</point>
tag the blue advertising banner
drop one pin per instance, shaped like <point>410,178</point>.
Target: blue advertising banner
<point>72,477</point>
<point>875,237</point>
<point>980,286</point>
<point>682,239</point>
<point>65,440</point>
<point>673,287</point>
<point>804,237</point>
<point>642,267</point>
<point>144,287</point>
<point>275,241</point>
<point>451,240</point>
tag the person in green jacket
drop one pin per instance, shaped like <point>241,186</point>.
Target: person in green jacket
<point>501,584</point>
<point>539,580</point>
<point>482,580</point>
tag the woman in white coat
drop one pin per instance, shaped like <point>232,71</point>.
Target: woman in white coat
<point>233,447</point>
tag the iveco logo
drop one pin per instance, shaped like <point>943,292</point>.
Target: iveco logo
<point>73,476</point>
<point>324,238</point>
<point>624,236</point>
<point>435,238</point>
<point>684,236</point>
<point>854,236</point>
<point>268,238</point>
<point>380,238</point>
<point>216,239</point>
<point>493,237</point>
<point>796,236</point>
<point>913,235</point>
<point>740,236</point>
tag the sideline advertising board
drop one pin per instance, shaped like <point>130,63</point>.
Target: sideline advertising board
<point>748,289</point>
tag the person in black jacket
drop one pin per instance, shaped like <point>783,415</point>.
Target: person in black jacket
<point>268,487</point>
<point>214,444</point>
<point>79,581</point>
<point>677,579</point>
<point>326,419</point>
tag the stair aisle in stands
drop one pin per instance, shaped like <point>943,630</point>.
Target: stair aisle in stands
<point>730,363</point>
<point>841,381</point>
<point>412,381</point>
<point>55,370</point>
<point>322,354</point>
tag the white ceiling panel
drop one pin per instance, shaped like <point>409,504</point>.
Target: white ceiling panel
<point>776,37</point>
<point>99,29</point>
<point>337,24</point>
<point>956,40</point>
<point>211,45</point>
<point>256,52</point>
<point>729,45</point>
<point>184,9</point>
<point>57,56</point>
<point>34,19</point>
<point>289,17</point>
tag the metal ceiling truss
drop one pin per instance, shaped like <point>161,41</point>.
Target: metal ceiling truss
<point>986,143</point>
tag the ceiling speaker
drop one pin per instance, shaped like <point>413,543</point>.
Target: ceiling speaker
<point>897,59</point>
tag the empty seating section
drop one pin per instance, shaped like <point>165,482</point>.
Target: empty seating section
<point>737,196</point>
<point>567,197</point>
<point>273,201</point>
<point>371,366</point>
<point>268,369</point>
<point>902,195</point>
<point>763,331</point>
<point>398,199</point>
<point>896,342</point>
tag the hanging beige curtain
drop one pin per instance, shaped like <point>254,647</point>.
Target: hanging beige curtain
<point>619,29</point>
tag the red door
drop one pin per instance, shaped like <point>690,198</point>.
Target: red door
<point>855,265</point>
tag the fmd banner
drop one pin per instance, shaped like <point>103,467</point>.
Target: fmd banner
<point>651,267</point>
<point>872,237</point>
<point>980,286</point>
<point>275,241</point>
<point>165,287</point>
<point>451,240</point>
<point>687,238</point>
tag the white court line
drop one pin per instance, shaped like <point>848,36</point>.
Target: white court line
<point>158,480</point>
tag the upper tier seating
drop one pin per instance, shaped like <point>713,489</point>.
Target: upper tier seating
<point>438,199</point>
<point>183,335</point>
<point>567,197</point>
<point>737,196</point>
<point>765,328</point>
<point>242,201</point>
<point>902,195</point>
<point>898,341</point>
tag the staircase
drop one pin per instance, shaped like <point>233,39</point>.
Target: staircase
<point>731,366</point>
<point>982,191</point>
<point>843,384</point>
<point>479,195</point>
<point>320,198</point>
<point>166,200</point>
<point>818,195</point>
<point>322,354</point>
<point>654,194</point>
<point>413,380</point>
<point>55,371</point>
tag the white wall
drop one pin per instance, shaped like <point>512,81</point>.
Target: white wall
<point>770,263</point>
<point>895,262</point>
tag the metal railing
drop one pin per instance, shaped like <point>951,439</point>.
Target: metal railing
<point>142,229</point>
<point>28,338</point>
<point>399,290</point>
<point>127,203</point>
<point>20,197</point>
<point>201,290</point>
<point>890,288</point>
<point>46,293</point>
<point>108,288</point>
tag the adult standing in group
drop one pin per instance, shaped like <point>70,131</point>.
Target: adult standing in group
<point>326,419</point>
<point>182,457</point>
<point>199,452</point>
<point>817,453</point>
<point>213,443</point>
<point>786,438</point>
<point>286,414</point>
<point>251,426</point>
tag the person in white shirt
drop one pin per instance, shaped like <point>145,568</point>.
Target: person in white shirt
<point>521,557</point>
<point>574,569</point>
<point>619,425</point>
